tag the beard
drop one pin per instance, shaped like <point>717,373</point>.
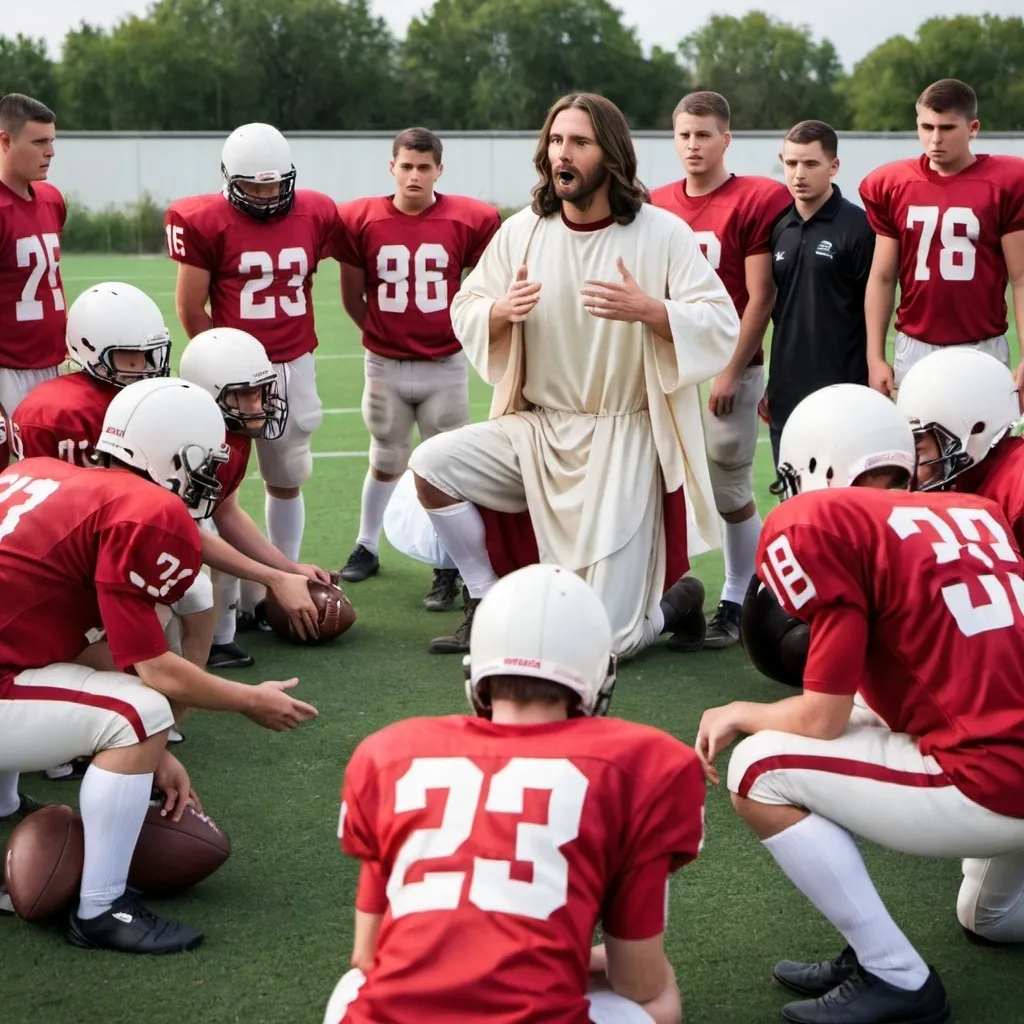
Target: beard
<point>583,187</point>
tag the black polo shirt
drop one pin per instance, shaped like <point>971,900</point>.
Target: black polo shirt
<point>820,267</point>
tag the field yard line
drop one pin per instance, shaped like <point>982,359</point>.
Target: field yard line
<point>342,412</point>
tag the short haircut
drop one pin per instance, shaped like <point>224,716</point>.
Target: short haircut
<point>950,96</point>
<point>422,140</point>
<point>16,110</point>
<point>526,689</point>
<point>807,132</point>
<point>704,104</point>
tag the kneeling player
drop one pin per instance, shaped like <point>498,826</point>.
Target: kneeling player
<point>601,824</point>
<point>88,551</point>
<point>914,601</point>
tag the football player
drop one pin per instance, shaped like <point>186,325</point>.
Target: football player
<point>32,214</point>
<point>901,590</point>
<point>732,217</point>
<point>250,252</point>
<point>950,229</point>
<point>602,811</point>
<point>411,250</point>
<point>93,551</point>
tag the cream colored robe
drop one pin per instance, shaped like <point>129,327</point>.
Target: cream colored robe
<point>610,401</point>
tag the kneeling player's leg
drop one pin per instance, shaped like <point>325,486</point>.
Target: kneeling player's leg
<point>991,899</point>
<point>287,462</point>
<point>608,1007</point>
<point>731,446</point>
<point>408,528</point>
<point>389,417</point>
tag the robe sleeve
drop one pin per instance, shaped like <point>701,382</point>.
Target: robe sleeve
<point>487,282</point>
<point>705,326</point>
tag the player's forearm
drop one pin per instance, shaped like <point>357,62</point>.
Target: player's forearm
<point>753,324</point>
<point>184,683</point>
<point>817,716</point>
<point>356,309</point>
<point>194,321</point>
<point>221,555</point>
<point>879,300</point>
<point>1017,288</point>
<point>236,527</point>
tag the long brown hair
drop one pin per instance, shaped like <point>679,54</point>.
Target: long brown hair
<point>626,193</point>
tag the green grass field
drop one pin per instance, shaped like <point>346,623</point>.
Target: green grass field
<point>278,915</point>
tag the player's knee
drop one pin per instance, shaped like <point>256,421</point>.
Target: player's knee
<point>388,458</point>
<point>751,773</point>
<point>429,463</point>
<point>198,597</point>
<point>995,913</point>
<point>141,715</point>
<point>283,465</point>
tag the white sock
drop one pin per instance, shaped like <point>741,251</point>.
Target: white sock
<point>823,862</point>
<point>376,495</point>
<point>740,546</point>
<point>9,799</point>
<point>228,596</point>
<point>113,808</point>
<point>286,519</point>
<point>461,532</point>
<point>251,595</point>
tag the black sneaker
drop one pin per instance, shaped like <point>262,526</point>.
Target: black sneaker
<point>130,927</point>
<point>245,622</point>
<point>723,626</point>
<point>361,565</point>
<point>26,806</point>
<point>865,999</point>
<point>6,906</point>
<point>229,656</point>
<point>815,979</point>
<point>683,608</point>
<point>441,596</point>
<point>458,642</point>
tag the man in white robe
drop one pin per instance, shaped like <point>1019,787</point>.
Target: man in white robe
<point>595,316</point>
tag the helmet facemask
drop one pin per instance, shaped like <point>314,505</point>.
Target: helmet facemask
<point>952,458</point>
<point>261,208</point>
<point>272,419</point>
<point>157,353</point>
<point>195,478</point>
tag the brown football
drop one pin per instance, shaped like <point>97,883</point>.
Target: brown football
<point>335,613</point>
<point>171,856</point>
<point>43,864</point>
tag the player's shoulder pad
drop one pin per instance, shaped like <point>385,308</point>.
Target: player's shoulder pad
<point>311,199</point>
<point>775,642</point>
<point>395,741</point>
<point>1006,169</point>
<point>47,193</point>
<point>663,193</point>
<point>883,178</point>
<point>357,213</point>
<point>195,209</point>
<point>633,744</point>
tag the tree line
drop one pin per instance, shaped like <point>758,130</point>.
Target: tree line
<point>333,65</point>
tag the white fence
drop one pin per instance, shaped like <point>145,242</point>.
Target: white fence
<point>104,168</point>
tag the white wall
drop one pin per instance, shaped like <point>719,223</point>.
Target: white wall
<point>105,168</point>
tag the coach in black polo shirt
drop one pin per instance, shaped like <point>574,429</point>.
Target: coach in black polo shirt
<point>821,254</point>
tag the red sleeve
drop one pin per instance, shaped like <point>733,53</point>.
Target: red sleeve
<point>666,833</point>
<point>1012,212</point>
<point>815,576</point>
<point>876,198</point>
<point>186,243</point>
<point>482,236</point>
<point>359,801</point>
<point>348,237</point>
<point>371,896</point>
<point>133,627</point>
<point>32,441</point>
<point>765,210</point>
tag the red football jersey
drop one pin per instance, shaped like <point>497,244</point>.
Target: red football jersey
<point>1000,478</point>
<point>414,266</point>
<point>952,270</point>
<point>261,273</point>
<point>730,223</point>
<point>915,600</point>
<point>32,307</point>
<point>503,846</point>
<point>85,550</point>
<point>232,473</point>
<point>62,418</point>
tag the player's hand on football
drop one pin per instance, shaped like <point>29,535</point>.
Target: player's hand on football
<point>173,782</point>
<point>273,708</point>
<point>723,393</point>
<point>718,728</point>
<point>616,300</point>
<point>312,572</point>
<point>880,376</point>
<point>292,592</point>
<point>519,299</point>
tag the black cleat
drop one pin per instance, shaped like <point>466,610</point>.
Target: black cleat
<point>229,656</point>
<point>683,608</point>
<point>458,642</point>
<point>26,806</point>
<point>6,906</point>
<point>815,979</point>
<point>245,622</point>
<point>441,596</point>
<point>130,927</point>
<point>361,565</point>
<point>71,771</point>
<point>865,999</point>
<point>723,626</point>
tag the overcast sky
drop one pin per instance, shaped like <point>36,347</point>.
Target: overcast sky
<point>854,26</point>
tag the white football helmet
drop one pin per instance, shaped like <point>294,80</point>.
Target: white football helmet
<point>968,401</point>
<point>546,622</point>
<point>837,433</point>
<point>222,361</point>
<point>258,154</point>
<point>117,317</point>
<point>172,432</point>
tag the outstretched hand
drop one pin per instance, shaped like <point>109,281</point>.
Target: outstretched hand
<point>621,300</point>
<point>521,297</point>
